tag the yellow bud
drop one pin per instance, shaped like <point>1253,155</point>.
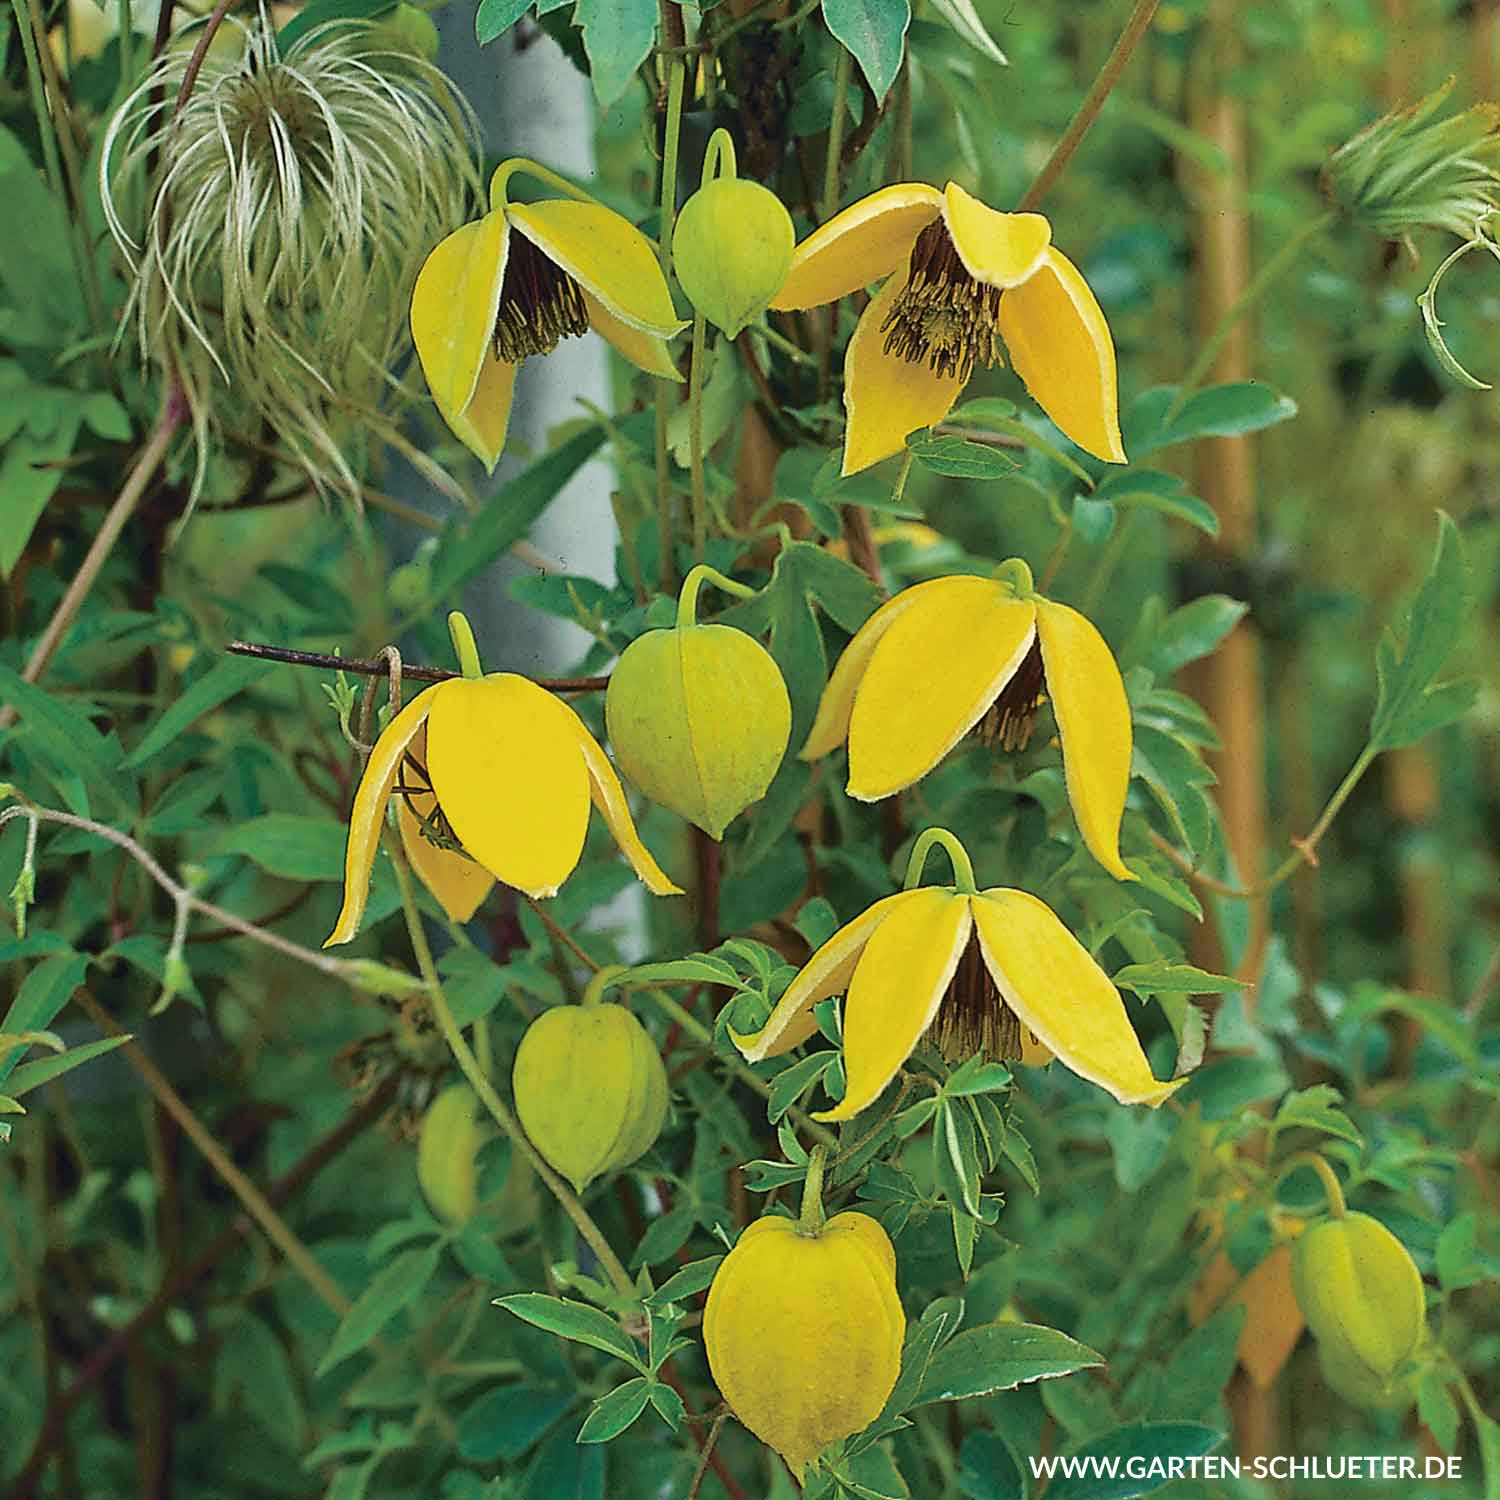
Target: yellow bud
<point>1361,1294</point>
<point>590,1089</point>
<point>732,247</point>
<point>447,1147</point>
<point>804,1331</point>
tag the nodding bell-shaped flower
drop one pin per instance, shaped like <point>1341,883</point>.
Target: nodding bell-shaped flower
<point>519,281</point>
<point>977,972</point>
<point>963,281</point>
<point>953,653</point>
<point>493,771</point>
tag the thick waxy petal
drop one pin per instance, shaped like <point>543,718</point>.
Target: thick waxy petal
<point>1061,347</point>
<point>930,679</point>
<point>886,396</point>
<point>897,987</point>
<point>609,798</point>
<point>606,255</point>
<point>996,248</point>
<point>831,726</point>
<point>1051,982</point>
<point>453,308</point>
<point>481,426</point>
<point>868,240</point>
<point>503,757</point>
<point>826,973</point>
<point>1093,722</point>
<point>644,350</point>
<point>454,879</point>
<point>367,816</point>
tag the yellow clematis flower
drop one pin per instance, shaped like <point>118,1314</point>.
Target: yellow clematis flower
<point>493,771</point>
<point>520,280</point>
<point>992,972</point>
<point>973,279</point>
<point>950,653</point>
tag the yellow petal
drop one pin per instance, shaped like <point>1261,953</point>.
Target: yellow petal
<point>606,254</point>
<point>997,249</point>
<point>931,678</point>
<point>897,987</point>
<point>481,426</point>
<point>367,816</point>
<point>886,396</point>
<point>1093,722</point>
<point>826,973</point>
<point>609,798</point>
<point>644,350</point>
<point>453,308</point>
<point>503,757</point>
<point>1060,345</point>
<point>868,240</point>
<point>454,879</point>
<point>1051,982</point>
<point>831,726</point>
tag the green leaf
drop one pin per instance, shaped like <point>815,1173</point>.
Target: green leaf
<point>47,987</point>
<point>494,17</point>
<point>614,1412</point>
<point>565,1470</point>
<point>999,1357</point>
<point>394,1288</point>
<point>694,1277</point>
<point>990,1470</point>
<point>319,11</point>
<point>218,685</point>
<point>1316,1108</point>
<point>1436,1408</point>
<point>1442,1020</point>
<point>1176,775</point>
<point>504,1423</point>
<point>469,546</point>
<point>44,300</point>
<point>1407,705</point>
<point>1143,1447</point>
<point>1225,1087</point>
<point>703,969</point>
<point>964,19</point>
<point>789,1085</point>
<point>1164,976</point>
<point>1158,491</point>
<point>958,458</point>
<point>1220,411</point>
<point>1193,631</point>
<point>874,32</point>
<point>34,1074</point>
<point>618,36</point>
<point>69,738</point>
<point>30,472</point>
<point>573,1320</point>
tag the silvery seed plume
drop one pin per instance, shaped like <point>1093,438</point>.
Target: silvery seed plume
<point>273,231</point>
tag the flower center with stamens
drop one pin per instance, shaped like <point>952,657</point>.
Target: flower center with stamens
<point>1009,719</point>
<point>943,317</point>
<point>973,1017</point>
<point>540,304</point>
<point>415,785</point>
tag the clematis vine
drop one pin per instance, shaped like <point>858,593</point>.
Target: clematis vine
<point>991,972</point>
<point>963,281</point>
<point>494,772</point>
<point>951,654</point>
<point>519,281</point>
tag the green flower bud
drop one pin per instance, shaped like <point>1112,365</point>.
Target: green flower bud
<point>412,30</point>
<point>732,244</point>
<point>1361,1295</point>
<point>699,716</point>
<point>447,1147</point>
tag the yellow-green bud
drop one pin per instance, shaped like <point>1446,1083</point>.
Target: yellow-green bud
<point>1360,1386</point>
<point>412,30</point>
<point>732,247</point>
<point>698,717</point>
<point>1361,1294</point>
<point>447,1147</point>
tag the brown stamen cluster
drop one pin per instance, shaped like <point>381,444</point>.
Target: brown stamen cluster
<point>973,1017</point>
<point>412,783</point>
<point>1009,720</point>
<point>943,317</point>
<point>540,304</point>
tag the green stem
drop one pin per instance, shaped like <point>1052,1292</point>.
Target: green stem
<point>1209,351</point>
<point>695,439</point>
<point>671,140</point>
<point>469,1066</point>
<point>687,600</point>
<point>1305,851</point>
<point>1109,559</point>
<point>1016,573</point>
<point>593,991</point>
<point>792,351</point>
<point>811,1220</point>
<point>511,166</point>
<point>899,488</point>
<point>1078,127</point>
<point>718,158</point>
<point>1332,1189</point>
<point>831,166</point>
<point>958,857</point>
<point>462,636</point>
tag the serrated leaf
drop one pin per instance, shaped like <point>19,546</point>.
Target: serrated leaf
<point>999,1357</point>
<point>573,1320</point>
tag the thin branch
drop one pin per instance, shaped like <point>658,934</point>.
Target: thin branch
<point>377,668</point>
